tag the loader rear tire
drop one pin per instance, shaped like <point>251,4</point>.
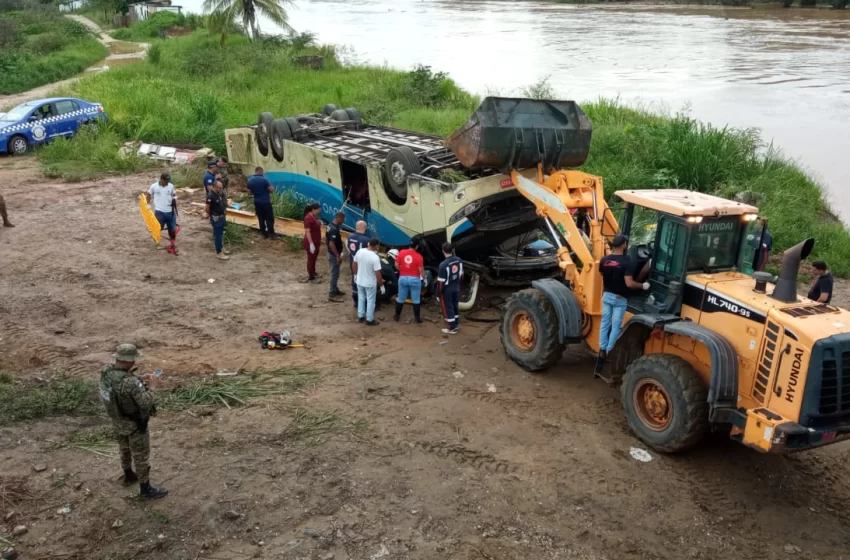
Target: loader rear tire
<point>264,131</point>
<point>529,330</point>
<point>665,402</point>
<point>279,132</point>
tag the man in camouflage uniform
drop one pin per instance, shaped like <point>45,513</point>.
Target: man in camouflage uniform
<point>130,406</point>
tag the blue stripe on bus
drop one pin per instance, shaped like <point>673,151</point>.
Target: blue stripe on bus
<point>307,190</point>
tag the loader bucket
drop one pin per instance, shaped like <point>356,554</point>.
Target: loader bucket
<point>512,133</point>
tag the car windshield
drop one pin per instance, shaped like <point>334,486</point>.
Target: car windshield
<point>715,245</point>
<point>17,113</point>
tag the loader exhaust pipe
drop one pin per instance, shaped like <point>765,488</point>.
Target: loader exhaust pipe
<point>786,286</point>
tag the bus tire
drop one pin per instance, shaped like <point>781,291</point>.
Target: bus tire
<point>264,130</point>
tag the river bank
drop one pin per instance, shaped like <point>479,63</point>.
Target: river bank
<point>197,88</point>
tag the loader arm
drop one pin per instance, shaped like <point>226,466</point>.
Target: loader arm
<point>554,196</point>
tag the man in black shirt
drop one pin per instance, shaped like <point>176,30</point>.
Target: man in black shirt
<point>618,280</point>
<point>215,210</point>
<point>821,290</point>
<point>334,242</point>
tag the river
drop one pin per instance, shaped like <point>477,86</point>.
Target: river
<point>784,71</point>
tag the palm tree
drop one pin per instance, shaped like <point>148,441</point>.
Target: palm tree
<point>248,10</point>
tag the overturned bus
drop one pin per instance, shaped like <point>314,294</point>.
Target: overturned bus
<point>407,185</point>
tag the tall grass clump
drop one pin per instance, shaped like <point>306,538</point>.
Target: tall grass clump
<point>90,154</point>
<point>154,53</point>
<point>41,46</point>
<point>55,397</point>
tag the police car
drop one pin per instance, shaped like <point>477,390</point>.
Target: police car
<point>39,121</point>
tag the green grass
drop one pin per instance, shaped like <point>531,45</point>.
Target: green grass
<point>19,402</point>
<point>200,87</point>
<point>42,47</point>
<point>91,154</point>
<point>234,235</point>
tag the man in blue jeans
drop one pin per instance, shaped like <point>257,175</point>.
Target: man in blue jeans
<point>215,210</point>
<point>618,281</point>
<point>367,270</point>
<point>411,274</point>
<point>163,196</point>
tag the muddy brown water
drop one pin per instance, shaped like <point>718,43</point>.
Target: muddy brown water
<point>785,71</point>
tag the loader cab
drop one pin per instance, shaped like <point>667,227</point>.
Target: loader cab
<point>666,248</point>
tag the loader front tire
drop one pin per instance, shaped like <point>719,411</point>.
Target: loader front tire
<point>529,330</point>
<point>665,402</point>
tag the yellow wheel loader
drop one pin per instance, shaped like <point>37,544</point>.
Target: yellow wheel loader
<point>711,344</point>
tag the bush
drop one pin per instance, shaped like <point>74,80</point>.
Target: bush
<point>46,43</point>
<point>122,34</point>
<point>11,35</point>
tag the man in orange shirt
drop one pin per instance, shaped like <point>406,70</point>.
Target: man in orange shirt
<point>411,270</point>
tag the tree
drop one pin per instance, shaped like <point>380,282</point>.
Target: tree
<point>248,11</point>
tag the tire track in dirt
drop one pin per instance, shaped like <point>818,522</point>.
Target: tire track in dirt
<point>466,456</point>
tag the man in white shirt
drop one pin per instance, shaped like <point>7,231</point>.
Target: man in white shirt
<point>367,274</point>
<point>165,207</point>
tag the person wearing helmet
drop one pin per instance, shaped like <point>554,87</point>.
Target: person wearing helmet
<point>411,271</point>
<point>334,242</point>
<point>130,405</point>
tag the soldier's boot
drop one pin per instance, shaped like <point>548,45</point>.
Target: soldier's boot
<point>416,309</point>
<point>148,492</point>
<point>130,477</point>
<point>4,215</point>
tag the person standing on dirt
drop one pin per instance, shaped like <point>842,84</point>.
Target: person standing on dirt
<point>210,176</point>
<point>312,238</point>
<point>164,205</point>
<point>449,277</point>
<point>411,274</point>
<point>3,214</point>
<point>618,281</point>
<point>215,210</point>
<point>262,190</point>
<point>355,242</point>
<point>821,290</point>
<point>334,242</point>
<point>130,405</point>
<point>367,269</point>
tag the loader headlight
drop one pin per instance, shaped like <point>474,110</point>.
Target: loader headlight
<point>465,211</point>
<point>694,219</point>
<point>750,217</point>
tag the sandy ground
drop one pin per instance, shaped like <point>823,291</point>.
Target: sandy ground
<point>9,101</point>
<point>452,452</point>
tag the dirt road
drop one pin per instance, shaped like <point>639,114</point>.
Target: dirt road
<point>115,57</point>
<point>435,450</point>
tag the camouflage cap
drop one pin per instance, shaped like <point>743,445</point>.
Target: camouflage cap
<point>126,353</point>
